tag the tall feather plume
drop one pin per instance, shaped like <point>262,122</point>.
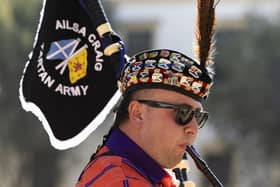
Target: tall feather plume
<point>205,29</point>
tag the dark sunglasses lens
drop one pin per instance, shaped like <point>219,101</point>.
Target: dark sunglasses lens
<point>201,118</point>
<point>184,114</point>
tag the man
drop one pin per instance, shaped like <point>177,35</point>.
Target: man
<point>159,116</point>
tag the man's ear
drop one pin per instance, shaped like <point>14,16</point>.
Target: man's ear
<point>135,111</point>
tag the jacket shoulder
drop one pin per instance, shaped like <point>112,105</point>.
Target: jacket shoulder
<point>108,171</point>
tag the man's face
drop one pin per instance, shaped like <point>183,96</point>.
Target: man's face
<point>161,137</point>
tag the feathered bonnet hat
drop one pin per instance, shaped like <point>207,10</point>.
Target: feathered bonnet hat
<point>168,69</point>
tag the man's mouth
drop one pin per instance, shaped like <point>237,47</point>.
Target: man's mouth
<point>183,146</point>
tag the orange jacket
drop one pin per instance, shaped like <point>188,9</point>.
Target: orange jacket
<point>111,170</point>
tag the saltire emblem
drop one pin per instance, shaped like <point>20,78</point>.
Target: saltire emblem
<point>137,66</point>
<point>62,49</point>
<point>150,64</point>
<point>75,60</point>
<point>178,66</point>
<point>164,63</point>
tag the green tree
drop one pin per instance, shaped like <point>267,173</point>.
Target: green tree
<point>27,159</point>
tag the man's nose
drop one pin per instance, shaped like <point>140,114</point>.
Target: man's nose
<point>191,127</point>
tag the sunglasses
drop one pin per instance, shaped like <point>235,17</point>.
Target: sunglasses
<point>184,112</point>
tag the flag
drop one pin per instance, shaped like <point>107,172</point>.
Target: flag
<point>68,82</point>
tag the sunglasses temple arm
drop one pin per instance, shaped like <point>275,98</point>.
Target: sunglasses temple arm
<point>203,167</point>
